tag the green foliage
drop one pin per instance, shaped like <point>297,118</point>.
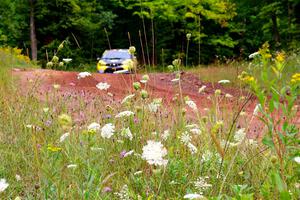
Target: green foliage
<point>219,28</point>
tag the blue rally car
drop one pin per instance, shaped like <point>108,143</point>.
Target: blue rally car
<point>117,61</point>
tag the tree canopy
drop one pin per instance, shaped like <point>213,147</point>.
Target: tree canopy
<point>218,28</point>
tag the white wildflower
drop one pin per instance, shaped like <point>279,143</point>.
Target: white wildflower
<point>29,126</point>
<point>83,75</point>
<point>297,159</point>
<point>253,55</point>
<point>67,60</point>
<point>206,156</point>
<point>71,166</point>
<point>124,114</point>
<point>252,142</point>
<point>64,136</point>
<point>192,105</point>
<point>175,79</point>
<point>127,98</point>
<point>224,81</point>
<point>154,152</point>
<point>128,153</point>
<point>94,127</point>
<point>228,96</point>
<point>196,131</point>
<point>103,86</point>
<point>228,144</point>
<point>153,107</point>
<point>123,194</point>
<point>190,126</point>
<point>201,184</point>
<point>46,110</point>
<point>97,149</point>
<point>138,173</point>
<point>3,185</point>
<point>193,149</point>
<point>56,86</point>
<point>239,135</point>
<point>165,135</point>
<point>257,109</point>
<point>206,109</point>
<point>18,177</point>
<point>193,196</point>
<point>202,88</point>
<point>154,133</point>
<point>127,133</point>
<point>107,130</point>
<point>185,138</point>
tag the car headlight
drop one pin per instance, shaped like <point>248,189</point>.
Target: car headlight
<point>127,64</point>
<point>102,63</point>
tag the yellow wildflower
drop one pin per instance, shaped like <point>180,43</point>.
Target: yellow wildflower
<point>295,78</point>
<point>53,148</point>
<point>280,57</point>
<point>245,77</point>
<point>65,120</point>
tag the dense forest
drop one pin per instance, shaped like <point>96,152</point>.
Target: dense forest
<point>160,29</point>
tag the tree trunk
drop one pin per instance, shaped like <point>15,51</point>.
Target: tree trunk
<point>276,35</point>
<point>33,40</point>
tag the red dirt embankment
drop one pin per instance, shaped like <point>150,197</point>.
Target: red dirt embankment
<point>160,85</point>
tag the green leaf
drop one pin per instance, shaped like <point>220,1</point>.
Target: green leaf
<point>285,195</point>
<point>267,140</point>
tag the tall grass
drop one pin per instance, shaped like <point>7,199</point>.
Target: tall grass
<point>207,152</point>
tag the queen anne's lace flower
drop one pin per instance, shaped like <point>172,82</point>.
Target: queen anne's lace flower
<point>108,130</point>
<point>192,105</point>
<point>206,156</point>
<point>103,86</point>
<point>192,148</point>
<point>3,185</point>
<point>193,196</point>
<point>185,138</point>
<point>196,131</point>
<point>153,106</point>
<point>154,152</point>
<point>239,135</point>
<point>228,96</point>
<point>83,75</point>
<point>67,60</point>
<point>165,135</point>
<point>94,127</point>
<point>253,55</point>
<point>224,81</point>
<point>127,133</point>
<point>18,177</point>
<point>124,114</point>
<point>201,184</point>
<point>123,194</point>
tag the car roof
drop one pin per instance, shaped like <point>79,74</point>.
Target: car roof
<point>116,50</point>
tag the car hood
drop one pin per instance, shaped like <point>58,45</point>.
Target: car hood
<point>113,61</point>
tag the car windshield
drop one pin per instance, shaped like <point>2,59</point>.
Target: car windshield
<point>116,55</point>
